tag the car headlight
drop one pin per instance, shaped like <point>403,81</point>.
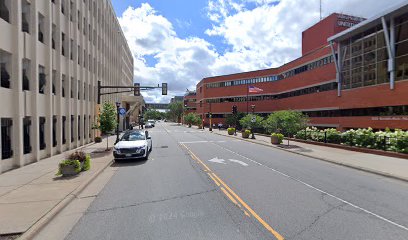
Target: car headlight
<point>115,149</point>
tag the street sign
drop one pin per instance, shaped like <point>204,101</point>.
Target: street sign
<point>122,111</point>
<point>253,119</point>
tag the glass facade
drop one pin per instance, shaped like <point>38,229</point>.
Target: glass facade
<point>365,56</point>
<point>307,67</point>
<point>309,90</point>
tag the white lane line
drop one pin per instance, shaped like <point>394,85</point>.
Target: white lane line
<point>239,162</point>
<point>320,190</point>
<point>206,142</point>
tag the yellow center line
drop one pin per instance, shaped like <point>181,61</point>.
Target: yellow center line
<point>229,196</point>
<point>228,192</point>
<point>216,182</point>
<point>265,224</point>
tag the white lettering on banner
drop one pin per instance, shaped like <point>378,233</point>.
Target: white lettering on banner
<point>345,24</point>
<point>350,18</point>
<point>389,118</point>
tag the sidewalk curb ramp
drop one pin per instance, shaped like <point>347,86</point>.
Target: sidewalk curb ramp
<point>384,174</point>
<point>44,220</point>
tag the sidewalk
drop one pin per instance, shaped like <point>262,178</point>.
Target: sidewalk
<point>29,193</point>
<point>386,166</point>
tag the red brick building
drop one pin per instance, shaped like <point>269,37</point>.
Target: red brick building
<point>354,90</point>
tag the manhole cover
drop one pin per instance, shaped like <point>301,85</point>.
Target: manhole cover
<point>164,147</point>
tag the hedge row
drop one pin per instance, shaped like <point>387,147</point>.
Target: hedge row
<point>395,141</point>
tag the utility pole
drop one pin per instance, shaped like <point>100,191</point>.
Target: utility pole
<point>320,10</point>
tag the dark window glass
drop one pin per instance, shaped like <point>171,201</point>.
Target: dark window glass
<point>382,72</point>
<point>402,68</point>
<point>26,135</point>
<point>401,48</point>
<point>6,128</point>
<point>401,32</point>
<point>42,133</point>
<point>4,11</point>
<point>54,131</point>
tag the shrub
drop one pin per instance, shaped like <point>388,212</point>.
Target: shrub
<point>231,131</point>
<point>279,135</point>
<point>246,133</point>
<point>87,163</point>
<point>77,155</point>
<point>396,141</point>
<point>69,162</point>
<point>98,139</point>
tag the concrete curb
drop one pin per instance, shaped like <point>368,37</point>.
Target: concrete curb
<point>384,174</point>
<point>43,221</point>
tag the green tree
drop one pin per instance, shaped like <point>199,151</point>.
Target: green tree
<point>191,119</point>
<point>288,122</point>
<point>176,111</point>
<point>107,120</point>
<point>152,114</point>
<point>233,119</point>
<point>246,122</point>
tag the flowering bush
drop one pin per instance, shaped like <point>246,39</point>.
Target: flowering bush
<point>396,141</point>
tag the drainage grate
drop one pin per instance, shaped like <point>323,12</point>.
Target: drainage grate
<point>164,147</point>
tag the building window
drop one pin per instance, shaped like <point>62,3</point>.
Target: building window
<point>26,135</point>
<point>84,127</point>
<point>79,127</point>
<point>79,20</point>
<point>402,67</point>
<point>41,79</point>
<point>79,55</point>
<point>54,76</point>
<point>84,91</point>
<point>4,10</point>
<point>53,36</point>
<point>72,87</point>
<point>71,12</point>
<point>63,6</point>
<point>71,49</point>
<point>41,28</point>
<point>25,16</point>
<point>63,44</point>
<point>54,131</point>
<point>6,133</point>
<point>90,127</point>
<point>63,85</point>
<point>26,73</point>
<point>72,128</point>
<point>79,91</point>
<point>42,133</point>
<point>64,122</point>
<point>5,69</point>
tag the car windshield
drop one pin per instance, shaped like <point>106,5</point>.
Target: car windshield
<point>133,136</point>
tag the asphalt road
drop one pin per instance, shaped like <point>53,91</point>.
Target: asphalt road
<point>199,185</point>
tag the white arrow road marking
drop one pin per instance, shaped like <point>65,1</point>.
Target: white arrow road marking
<point>237,161</point>
<point>217,160</point>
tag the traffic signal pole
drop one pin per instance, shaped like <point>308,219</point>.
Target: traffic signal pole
<point>136,88</point>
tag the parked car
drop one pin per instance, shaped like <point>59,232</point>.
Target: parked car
<point>149,125</point>
<point>133,144</point>
<point>152,122</point>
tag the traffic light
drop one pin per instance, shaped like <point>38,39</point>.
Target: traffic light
<point>234,109</point>
<point>136,89</point>
<point>164,88</point>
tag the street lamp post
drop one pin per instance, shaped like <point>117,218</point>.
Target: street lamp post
<point>210,116</point>
<point>117,121</point>
<point>253,113</point>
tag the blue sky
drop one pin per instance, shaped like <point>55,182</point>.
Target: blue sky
<point>182,41</point>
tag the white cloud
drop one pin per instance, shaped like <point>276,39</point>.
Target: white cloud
<point>259,34</point>
<point>180,62</point>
